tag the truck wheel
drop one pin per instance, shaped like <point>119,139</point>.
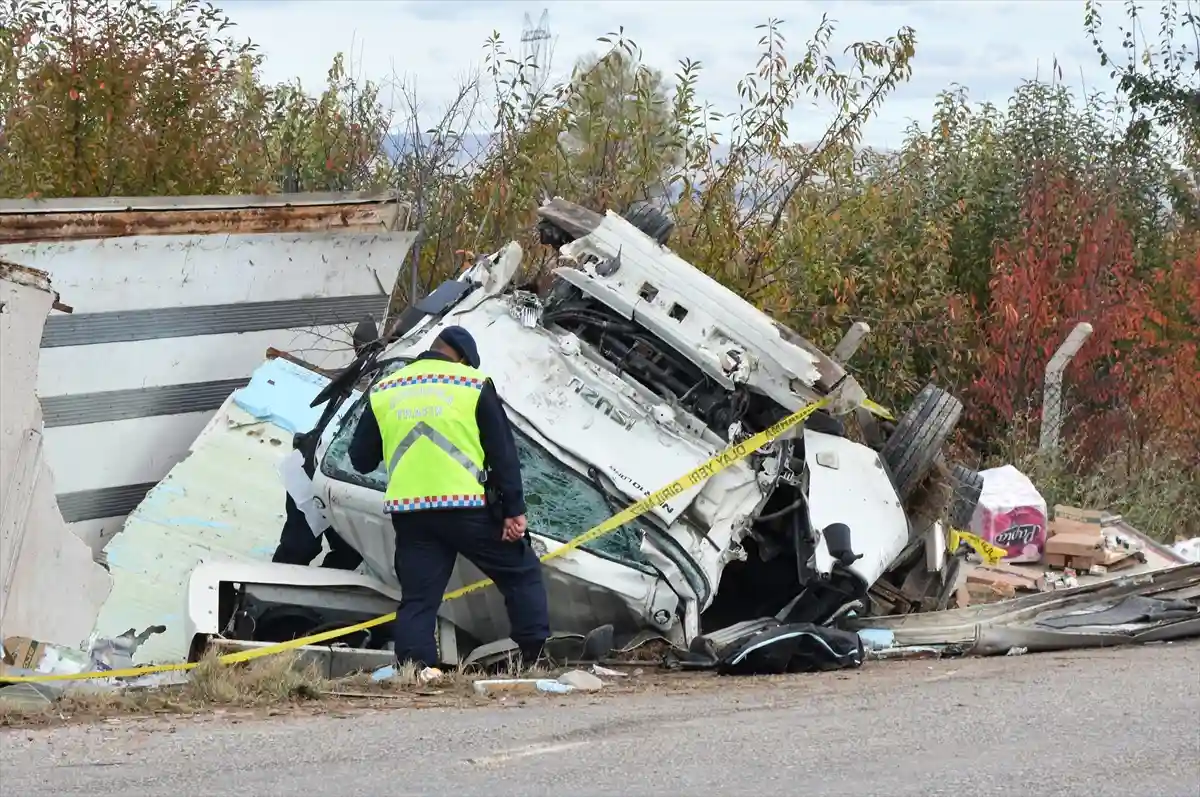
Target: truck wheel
<point>651,221</point>
<point>911,451</point>
<point>967,487</point>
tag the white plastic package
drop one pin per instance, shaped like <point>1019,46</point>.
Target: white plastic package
<point>1011,514</point>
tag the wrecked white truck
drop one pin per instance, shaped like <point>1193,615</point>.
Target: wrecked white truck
<point>625,370</point>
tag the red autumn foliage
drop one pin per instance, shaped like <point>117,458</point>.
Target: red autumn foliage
<point>1169,373</point>
<point>1075,261</point>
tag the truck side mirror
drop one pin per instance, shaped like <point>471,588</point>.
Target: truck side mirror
<point>364,333</point>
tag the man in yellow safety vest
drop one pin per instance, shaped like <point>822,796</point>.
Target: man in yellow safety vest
<point>454,487</point>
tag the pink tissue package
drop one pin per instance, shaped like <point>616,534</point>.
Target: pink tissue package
<point>1021,531</point>
<point>1011,514</point>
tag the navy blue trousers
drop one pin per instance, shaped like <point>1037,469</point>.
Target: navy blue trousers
<point>299,546</point>
<point>426,545</point>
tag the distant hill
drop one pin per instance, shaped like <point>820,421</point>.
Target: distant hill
<point>476,143</point>
<point>472,144</point>
<point>400,143</point>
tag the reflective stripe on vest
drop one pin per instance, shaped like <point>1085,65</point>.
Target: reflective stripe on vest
<point>426,415</point>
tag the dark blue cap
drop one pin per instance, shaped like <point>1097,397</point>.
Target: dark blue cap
<point>461,341</point>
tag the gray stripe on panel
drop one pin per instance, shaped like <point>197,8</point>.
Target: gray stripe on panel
<point>103,502</point>
<point>138,402</point>
<point>120,326</point>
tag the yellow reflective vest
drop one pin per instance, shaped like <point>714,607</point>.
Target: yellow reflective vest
<point>426,415</point>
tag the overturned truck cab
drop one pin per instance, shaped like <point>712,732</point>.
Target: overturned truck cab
<point>622,369</point>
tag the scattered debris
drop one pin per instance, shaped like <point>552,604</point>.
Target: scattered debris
<point>1007,578</point>
<point>496,686</point>
<point>426,675</point>
<point>1064,579</point>
<point>767,647</point>
<point>606,672</point>
<point>877,638</point>
<point>1090,615</point>
<point>23,655</point>
<point>23,699</point>
<point>844,551</point>
<point>908,652</point>
<point>1085,551</point>
<point>1188,549</point>
<point>30,657</point>
<point>117,653</point>
<point>553,687</point>
<point>583,681</point>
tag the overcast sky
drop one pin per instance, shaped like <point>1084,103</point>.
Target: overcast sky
<point>989,46</point>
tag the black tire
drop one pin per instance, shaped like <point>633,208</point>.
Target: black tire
<point>912,450</point>
<point>967,486</point>
<point>651,221</point>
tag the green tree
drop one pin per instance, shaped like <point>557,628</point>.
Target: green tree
<point>618,142</point>
<point>1160,80</point>
<point>132,97</point>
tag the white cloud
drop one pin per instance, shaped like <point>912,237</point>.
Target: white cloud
<point>989,46</point>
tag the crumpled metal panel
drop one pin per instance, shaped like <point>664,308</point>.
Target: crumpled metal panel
<point>974,624</point>
<point>38,554</point>
<point>697,316</point>
<point>224,501</point>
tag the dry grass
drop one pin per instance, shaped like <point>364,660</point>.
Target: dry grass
<point>272,679</point>
<point>271,683</point>
<point>1152,485</point>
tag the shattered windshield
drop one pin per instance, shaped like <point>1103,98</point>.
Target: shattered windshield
<point>560,504</point>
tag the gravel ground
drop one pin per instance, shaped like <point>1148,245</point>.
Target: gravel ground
<point>1115,722</point>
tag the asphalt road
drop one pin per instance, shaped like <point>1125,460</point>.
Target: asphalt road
<point>1116,722</point>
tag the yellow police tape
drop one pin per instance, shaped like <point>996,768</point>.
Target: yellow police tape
<point>731,455</point>
<point>990,554</point>
<point>878,409</point>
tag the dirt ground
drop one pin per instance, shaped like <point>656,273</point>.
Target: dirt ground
<point>1100,723</point>
<point>275,686</point>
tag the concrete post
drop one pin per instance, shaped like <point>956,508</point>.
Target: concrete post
<point>1052,387</point>
<point>850,342</point>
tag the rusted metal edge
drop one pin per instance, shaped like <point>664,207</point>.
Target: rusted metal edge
<point>274,353</point>
<point>207,202</point>
<point>24,275</point>
<point>67,220</point>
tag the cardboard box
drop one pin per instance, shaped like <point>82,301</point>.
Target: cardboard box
<point>1094,517</point>
<point>1084,550</point>
<point>1066,526</point>
<point>1057,561</point>
<point>23,653</point>
<point>1077,549</point>
<point>1121,559</point>
<point>1073,543</point>
<point>979,594</point>
<point>1007,576</point>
